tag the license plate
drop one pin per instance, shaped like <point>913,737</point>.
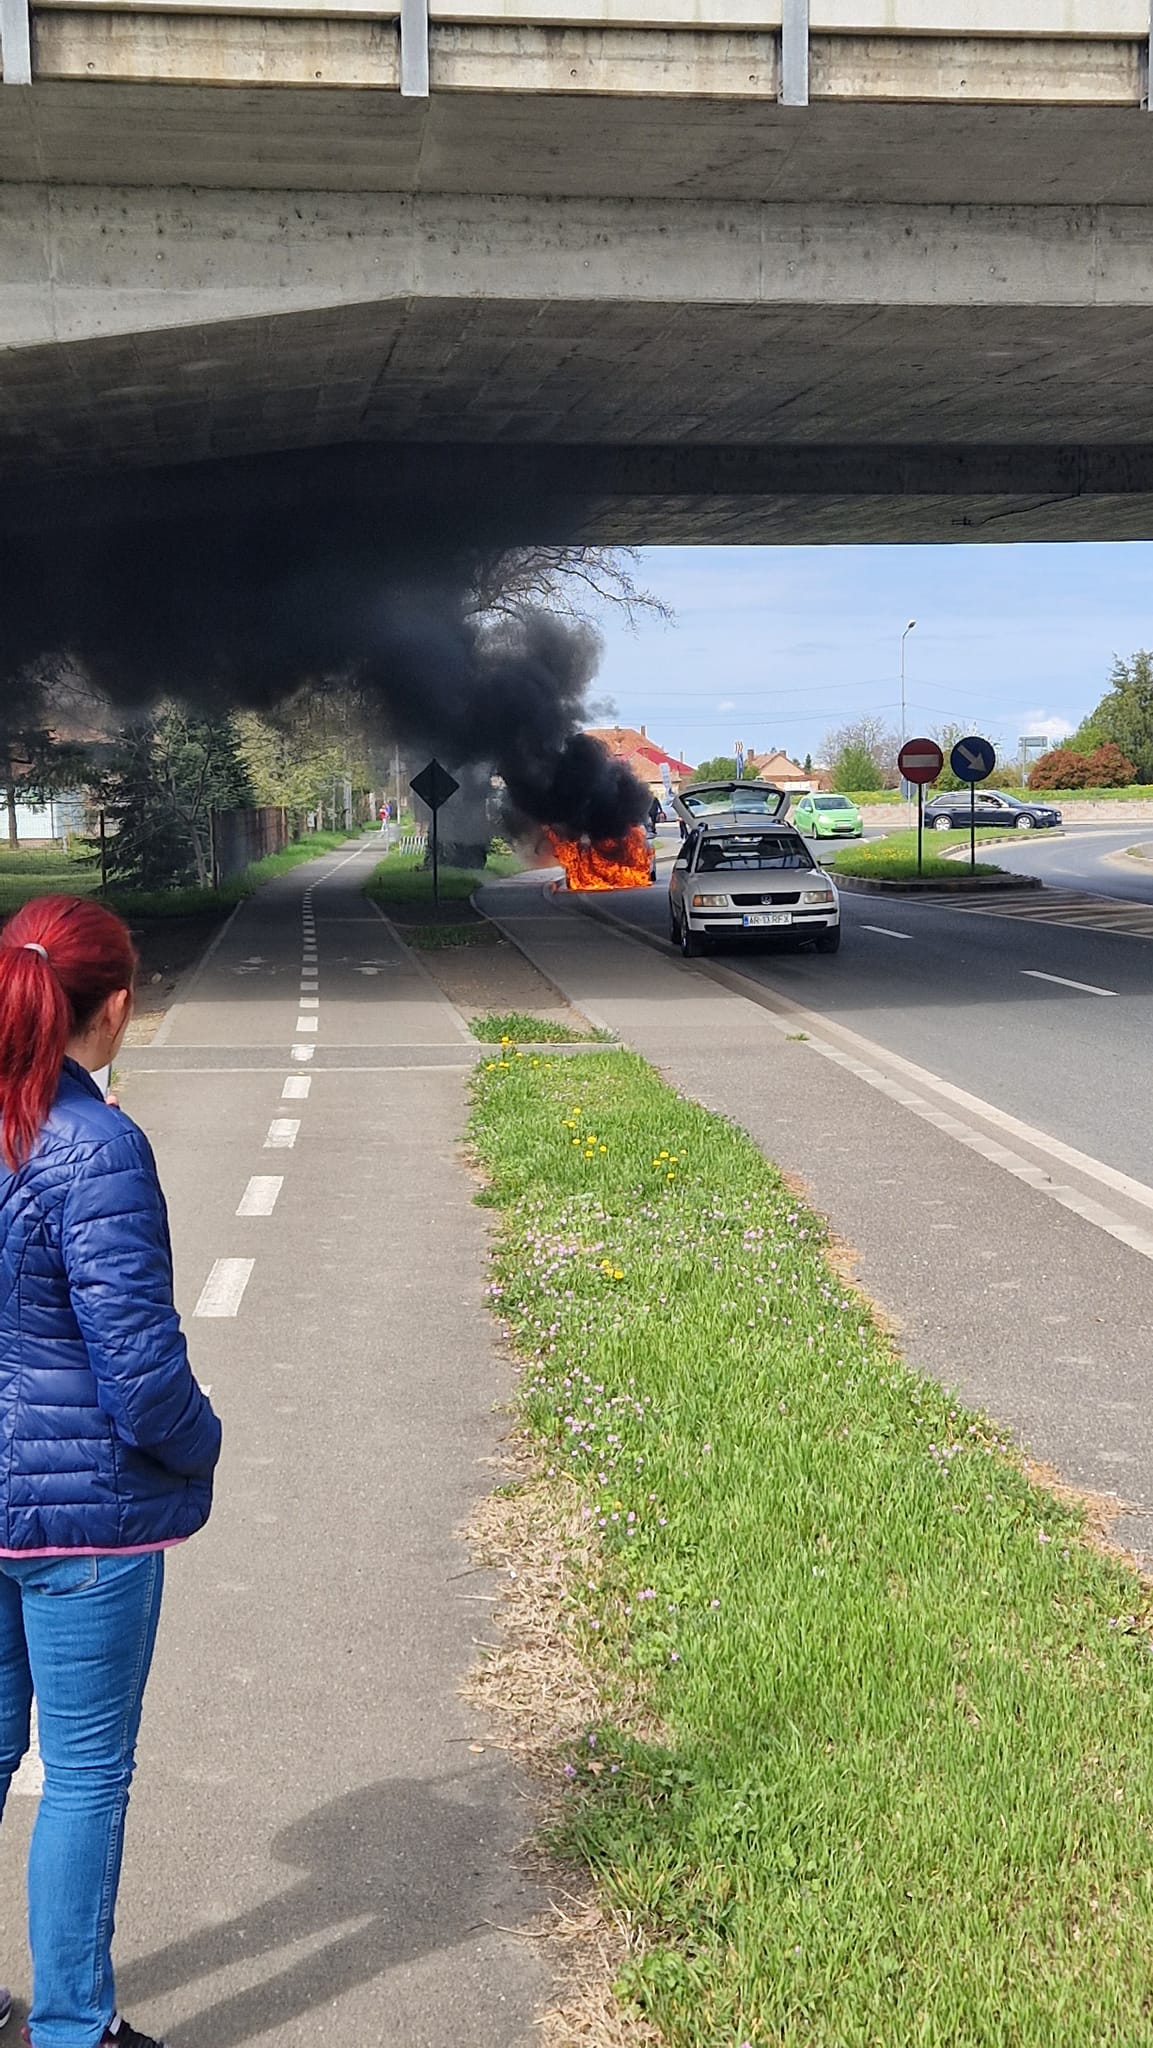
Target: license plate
<point>760,917</point>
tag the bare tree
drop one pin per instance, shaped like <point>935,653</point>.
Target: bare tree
<point>577,583</point>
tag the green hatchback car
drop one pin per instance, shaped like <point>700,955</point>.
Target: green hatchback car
<point>828,817</point>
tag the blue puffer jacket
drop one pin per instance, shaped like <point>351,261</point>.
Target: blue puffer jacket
<point>106,1441</point>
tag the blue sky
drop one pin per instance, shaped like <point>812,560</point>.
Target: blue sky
<point>774,646</point>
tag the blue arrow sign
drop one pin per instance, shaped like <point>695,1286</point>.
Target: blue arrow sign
<point>973,759</point>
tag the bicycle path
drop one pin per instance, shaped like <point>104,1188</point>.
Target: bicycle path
<point>321,1847</point>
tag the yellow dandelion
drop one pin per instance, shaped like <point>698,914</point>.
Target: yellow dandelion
<point>603,1148</point>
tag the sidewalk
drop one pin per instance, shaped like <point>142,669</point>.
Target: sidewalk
<point>1016,1280</point>
<point>319,1847</point>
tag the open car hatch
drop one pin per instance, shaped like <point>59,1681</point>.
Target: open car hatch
<point>741,803</point>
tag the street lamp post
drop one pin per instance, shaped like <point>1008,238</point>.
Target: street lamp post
<point>904,637</point>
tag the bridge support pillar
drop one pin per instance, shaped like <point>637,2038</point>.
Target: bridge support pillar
<point>795,53</point>
<point>413,49</point>
<point>16,42</point>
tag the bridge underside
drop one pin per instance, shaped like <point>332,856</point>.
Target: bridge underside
<point>603,319</point>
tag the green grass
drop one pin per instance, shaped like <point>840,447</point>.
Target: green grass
<point>890,1781</point>
<point>402,879</point>
<point>36,873</point>
<point>894,858</point>
<point>511,1027</point>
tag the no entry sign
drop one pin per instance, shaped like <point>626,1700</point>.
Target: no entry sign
<point>920,761</point>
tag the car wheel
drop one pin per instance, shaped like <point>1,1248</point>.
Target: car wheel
<point>829,942</point>
<point>674,925</point>
<point>1025,823</point>
<point>692,944</point>
<point>942,824</point>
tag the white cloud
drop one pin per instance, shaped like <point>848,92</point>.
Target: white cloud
<point>1050,723</point>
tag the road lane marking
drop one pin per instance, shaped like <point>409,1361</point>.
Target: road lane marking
<point>303,1052</point>
<point>296,1088</point>
<point>837,1043</point>
<point>1086,987</point>
<point>308,1023</point>
<point>309,1003</point>
<point>223,1291</point>
<point>283,1132</point>
<point>260,1196</point>
<point>885,932</point>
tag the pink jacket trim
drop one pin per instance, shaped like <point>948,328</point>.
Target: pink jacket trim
<point>91,1550</point>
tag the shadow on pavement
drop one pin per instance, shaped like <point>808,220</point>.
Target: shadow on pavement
<point>404,1859</point>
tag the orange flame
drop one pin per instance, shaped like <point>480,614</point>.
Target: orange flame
<point>608,864</point>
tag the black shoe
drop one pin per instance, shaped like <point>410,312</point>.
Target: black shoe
<point>119,2035</point>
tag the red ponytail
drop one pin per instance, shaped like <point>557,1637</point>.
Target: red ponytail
<point>60,957</point>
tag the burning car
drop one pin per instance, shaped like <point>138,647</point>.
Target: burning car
<point>629,862</point>
<point>744,872</point>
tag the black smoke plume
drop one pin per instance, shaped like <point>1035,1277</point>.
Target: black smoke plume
<point>246,609</point>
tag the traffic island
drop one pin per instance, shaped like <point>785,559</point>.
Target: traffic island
<point>891,864</point>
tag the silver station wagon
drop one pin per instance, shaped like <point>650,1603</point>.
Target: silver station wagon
<point>744,873</point>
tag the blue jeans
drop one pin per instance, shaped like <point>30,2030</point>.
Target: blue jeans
<point>80,1630</point>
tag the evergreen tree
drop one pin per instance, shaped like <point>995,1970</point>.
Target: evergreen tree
<point>167,776</point>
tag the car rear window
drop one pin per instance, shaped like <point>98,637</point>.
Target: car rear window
<point>832,803</point>
<point>752,850</point>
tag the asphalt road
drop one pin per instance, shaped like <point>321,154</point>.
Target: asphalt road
<point>963,992</point>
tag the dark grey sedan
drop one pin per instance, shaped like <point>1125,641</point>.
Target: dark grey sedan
<point>950,811</point>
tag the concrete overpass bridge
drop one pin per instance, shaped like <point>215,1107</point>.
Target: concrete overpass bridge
<point>646,269</point>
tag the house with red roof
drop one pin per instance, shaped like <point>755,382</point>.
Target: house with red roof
<point>648,762</point>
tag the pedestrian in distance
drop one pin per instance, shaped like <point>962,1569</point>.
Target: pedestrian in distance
<point>107,1444</point>
<point>656,812</point>
<point>385,815</point>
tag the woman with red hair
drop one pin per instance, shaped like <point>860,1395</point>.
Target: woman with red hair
<point>107,1444</point>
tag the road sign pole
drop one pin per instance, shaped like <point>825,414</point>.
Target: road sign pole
<point>972,828</point>
<point>920,828</point>
<point>435,862</point>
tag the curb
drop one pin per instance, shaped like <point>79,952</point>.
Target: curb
<point>867,885</point>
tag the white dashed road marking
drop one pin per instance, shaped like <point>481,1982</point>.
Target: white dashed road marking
<point>310,1002</point>
<point>259,1197</point>
<point>223,1291</point>
<point>282,1133</point>
<point>885,932</point>
<point>308,1024</point>
<point>1086,987</point>
<point>296,1088</point>
<point>303,1052</point>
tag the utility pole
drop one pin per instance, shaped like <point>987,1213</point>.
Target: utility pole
<point>904,637</point>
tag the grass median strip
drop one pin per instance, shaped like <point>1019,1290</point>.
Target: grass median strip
<point>510,1027</point>
<point>892,1782</point>
<point>894,858</point>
